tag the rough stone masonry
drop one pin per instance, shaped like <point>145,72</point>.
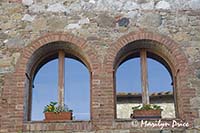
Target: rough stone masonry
<point>101,23</point>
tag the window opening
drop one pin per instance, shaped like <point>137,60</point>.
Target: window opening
<point>154,80</point>
<point>66,81</point>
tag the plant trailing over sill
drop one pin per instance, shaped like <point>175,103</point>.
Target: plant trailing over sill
<point>56,109</point>
<point>147,107</point>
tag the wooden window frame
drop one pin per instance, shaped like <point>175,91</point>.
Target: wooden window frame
<point>59,54</point>
<point>144,76</point>
<point>142,54</point>
<point>61,77</point>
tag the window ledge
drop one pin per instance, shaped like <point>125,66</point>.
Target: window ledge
<point>57,125</point>
<point>58,121</point>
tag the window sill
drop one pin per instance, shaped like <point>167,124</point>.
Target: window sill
<point>57,121</point>
<point>78,125</point>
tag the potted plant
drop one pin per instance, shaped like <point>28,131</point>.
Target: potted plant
<point>53,112</point>
<point>147,111</point>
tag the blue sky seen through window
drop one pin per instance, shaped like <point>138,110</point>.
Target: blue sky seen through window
<point>45,89</point>
<point>77,84</point>
<point>159,78</point>
<point>128,77</point>
<point>77,88</point>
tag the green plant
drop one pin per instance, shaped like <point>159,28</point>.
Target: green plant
<point>56,109</point>
<point>51,107</point>
<point>64,108</point>
<point>136,107</point>
<point>147,107</point>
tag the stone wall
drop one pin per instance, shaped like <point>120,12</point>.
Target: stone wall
<point>100,25</point>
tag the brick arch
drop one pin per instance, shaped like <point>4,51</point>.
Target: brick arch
<point>81,43</point>
<point>79,48</point>
<point>17,80</point>
<point>57,37</point>
<point>172,46</point>
<point>177,58</point>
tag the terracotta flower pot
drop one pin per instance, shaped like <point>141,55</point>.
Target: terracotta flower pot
<point>49,116</point>
<point>146,114</point>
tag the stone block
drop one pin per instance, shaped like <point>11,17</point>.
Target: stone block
<point>182,20</point>
<point>3,36</point>
<point>150,19</point>
<point>195,102</point>
<point>58,7</point>
<point>14,43</point>
<point>197,123</point>
<point>27,2</point>
<point>28,17</point>
<point>148,6</point>
<point>37,8</point>
<point>39,24</point>
<point>194,4</point>
<point>129,5</point>
<point>181,36</point>
<point>6,70</point>
<point>5,62</point>
<point>163,5</point>
<point>73,26</point>
<point>105,21</point>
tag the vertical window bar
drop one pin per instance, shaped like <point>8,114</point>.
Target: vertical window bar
<point>61,76</point>
<point>144,76</point>
<point>30,94</point>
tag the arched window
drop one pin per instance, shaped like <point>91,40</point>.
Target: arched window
<point>58,72</point>
<point>143,76</point>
